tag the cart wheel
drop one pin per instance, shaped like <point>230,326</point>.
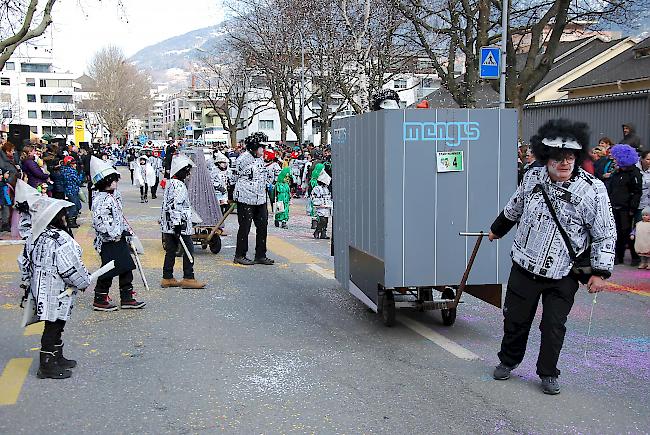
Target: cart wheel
<point>388,309</point>
<point>215,244</point>
<point>449,315</point>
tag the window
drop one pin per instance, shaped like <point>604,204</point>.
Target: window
<point>31,83</point>
<point>57,131</point>
<point>33,129</point>
<point>42,83</point>
<point>5,81</point>
<point>56,114</point>
<point>56,99</point>
<point>266,124</point>
<point>10,66</point>
<point>427,83</point>
<point>31,98</point>
<point>399,84</point>
<point>6,114</point>
<point>35,67</point>
<point>31,114</point>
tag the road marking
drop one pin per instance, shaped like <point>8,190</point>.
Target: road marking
<point>11,242</point>
<point>290,252</point>
<point>34,329</point>
<point>628,289</point>
<point>325,273</point>
<point>12,379</point>
<point>450,346</point>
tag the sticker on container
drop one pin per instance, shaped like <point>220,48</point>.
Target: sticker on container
<point>450,161</point>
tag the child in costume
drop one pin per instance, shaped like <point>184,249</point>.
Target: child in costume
<point>641,237</point>
<point>321,200</point>
<point>283,194</point>
<point>51,262</point>
<point>112,238</point>
<point>144,177</point>
<point>224,172</point>
<point>25,196</point>
<point>176,225</point>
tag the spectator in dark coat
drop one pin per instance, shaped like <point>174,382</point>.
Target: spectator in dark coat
<point>625,187</point>
<point>34,173</point>
<point>630,137</point>
<point>9,161</point>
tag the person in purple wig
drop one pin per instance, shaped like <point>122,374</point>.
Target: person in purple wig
<point>624,188</point>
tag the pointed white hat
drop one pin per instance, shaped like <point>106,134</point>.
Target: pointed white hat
<point>179,162</point>
<point>43,211</point>
<point>221,158</point>
<point>324,177</point>
<point>25,192</point>
<point>100,169</point>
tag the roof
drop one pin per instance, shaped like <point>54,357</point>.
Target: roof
<point>441,98</point>
<point>623,67</point>
<point>576,53</point>
<point>87,83</point>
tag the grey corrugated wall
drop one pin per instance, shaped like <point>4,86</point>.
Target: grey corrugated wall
<point>603,115</point>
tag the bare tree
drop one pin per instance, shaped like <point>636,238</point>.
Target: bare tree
<point>122,92</point>
<point>235,91</point>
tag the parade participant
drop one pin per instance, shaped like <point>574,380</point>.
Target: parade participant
<point>176,225</point>
<point>25,195</point>
<point>641,237</point>
<point>384,99</point>
<point>112,235</point>
<point>272,171</point>
<point>224,172</point>
<point>283,195</point>
<point>144,176</point>
<point>550,259</point>
<point>250,193</point>
<point>625,187</point>
<point>157,165</point>
<point>51,261</point>
<point>321,200</point>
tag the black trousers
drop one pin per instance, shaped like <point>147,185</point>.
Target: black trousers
<point>624,223</point>
<point>131,175</point>
<point>247,214</point>
<point>171,246</point>
<point>522,296</point>
<point>52,335</point>
<point>154,187</point>
<point>143,190</point>
<point>125,282</point>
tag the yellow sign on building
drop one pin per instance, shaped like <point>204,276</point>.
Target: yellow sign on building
<point>79,131</point>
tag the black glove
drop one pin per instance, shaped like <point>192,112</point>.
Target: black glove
<point>178,229</point>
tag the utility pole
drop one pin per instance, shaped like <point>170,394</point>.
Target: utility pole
<point>504,47</point>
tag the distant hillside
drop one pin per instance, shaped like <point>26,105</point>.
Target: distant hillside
<point>171,60</point>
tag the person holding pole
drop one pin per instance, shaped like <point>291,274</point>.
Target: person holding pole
<point>176,225</point>
<point>112,240</point>
<point>565,235</point>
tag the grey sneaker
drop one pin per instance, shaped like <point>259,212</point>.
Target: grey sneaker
<point>502,372</point>
<point>550,385</point>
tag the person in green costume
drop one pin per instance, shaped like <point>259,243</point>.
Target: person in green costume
<point>283,194</point>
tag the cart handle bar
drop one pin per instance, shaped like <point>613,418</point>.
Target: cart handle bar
<point>473,234</point>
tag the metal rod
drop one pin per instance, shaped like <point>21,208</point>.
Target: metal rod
<point>187,251</point>
<point>463,282</point>
<point>504,48</point>
<point>479,234</point>
<point>139,266</point>
<point>591,315</point>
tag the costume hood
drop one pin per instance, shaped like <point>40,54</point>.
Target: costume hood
<point>100,169</point>
<point>26,193</point>
<point>179,162</point>
<point>42,211</point>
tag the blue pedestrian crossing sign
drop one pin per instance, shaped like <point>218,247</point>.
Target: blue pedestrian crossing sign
<point>490,67</point>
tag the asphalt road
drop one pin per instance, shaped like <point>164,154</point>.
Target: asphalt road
<point>283,349</point>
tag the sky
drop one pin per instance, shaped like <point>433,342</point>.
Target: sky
<point>81,27</point>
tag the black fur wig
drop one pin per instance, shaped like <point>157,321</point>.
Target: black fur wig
<point>562,128</point>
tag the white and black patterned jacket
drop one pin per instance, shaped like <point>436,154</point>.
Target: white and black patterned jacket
<point>176,208</point>
<point>108,218</point>
<point>321,199</point>
<point>50,264</point>
<point>583,209</point>
<point>250,179</point>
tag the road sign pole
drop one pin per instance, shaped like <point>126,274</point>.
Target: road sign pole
<point>504,46</point>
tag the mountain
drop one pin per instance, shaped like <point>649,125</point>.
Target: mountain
<point>170,61</point>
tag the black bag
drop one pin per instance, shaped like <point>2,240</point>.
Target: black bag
<point>581,263</point>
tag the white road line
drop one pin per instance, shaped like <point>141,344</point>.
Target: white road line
<point>321,271</point>
<point>454,348</point>
<point>11,242</point>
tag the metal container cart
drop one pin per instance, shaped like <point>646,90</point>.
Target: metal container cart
<point>409,187</point>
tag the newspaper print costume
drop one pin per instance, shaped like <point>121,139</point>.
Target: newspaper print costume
<point>220,188</point>
<point>250,180</point>
<point>52,263</point>
<point>24,225</point>
<point>582,207</point>
<point>272,172</point>
<point>176,208</point>
<point>321,200</point>
<point>108,219</point>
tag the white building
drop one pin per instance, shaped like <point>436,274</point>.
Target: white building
<point>33,92</point>
<point>153,126</point>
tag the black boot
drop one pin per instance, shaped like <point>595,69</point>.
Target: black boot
<point>146,197</point>
<point>128,300</point>
<point>322,227</point>
<point>103,303</point>
<point>49,367</point>
<point>72,223</point>
<point>63,361</point>
<point>141,199</point>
